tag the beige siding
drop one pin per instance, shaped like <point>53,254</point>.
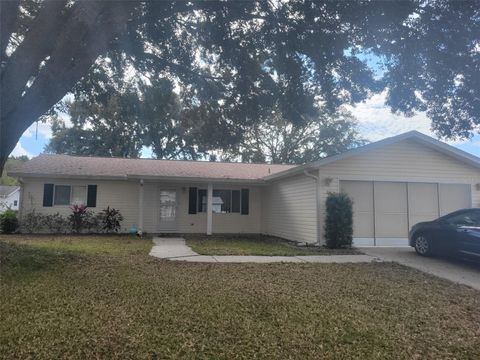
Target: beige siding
<point>124,195</point>
<point>405,161</point>
<point>289,209</point>
<point>197,223</point>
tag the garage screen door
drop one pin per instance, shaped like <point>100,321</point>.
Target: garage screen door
<point>454,197</point>
<point>385,211</point>
<point>361,192</point>
<point>422,202</point>
<point>391,219</point>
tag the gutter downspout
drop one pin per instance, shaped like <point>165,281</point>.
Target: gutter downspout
<point>317,207</point>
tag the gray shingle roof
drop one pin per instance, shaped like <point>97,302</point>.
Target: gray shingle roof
<point>7,190</point>
<point>58,165</point>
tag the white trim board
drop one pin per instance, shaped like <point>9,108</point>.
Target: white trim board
<point>385,242</point>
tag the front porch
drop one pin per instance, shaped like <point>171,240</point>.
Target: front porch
<point>207,208</point>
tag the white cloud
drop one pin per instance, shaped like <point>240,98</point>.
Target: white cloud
<point>19,151</point>
<point>43,130</point>
<point>377,122</point>
<point>44,127</point>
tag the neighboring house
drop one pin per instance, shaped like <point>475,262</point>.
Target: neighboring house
<point>9,197</point>
<point>394,184</point>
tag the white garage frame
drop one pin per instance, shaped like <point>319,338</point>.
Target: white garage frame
<point>400,241</point>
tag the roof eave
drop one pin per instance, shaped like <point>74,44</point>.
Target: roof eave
<point>197,179</point>
<point>138,177</point>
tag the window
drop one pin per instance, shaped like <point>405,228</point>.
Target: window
<point>202,200</point>
<point>15,202</point>
<point>223,201</point>
<point>69,195</point>
<point>62,195</point>
<point>79,195</point>
<point>467,218</point>
<point>235,201</point>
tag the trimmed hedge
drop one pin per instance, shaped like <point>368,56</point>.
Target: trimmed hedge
<point>339,221</point>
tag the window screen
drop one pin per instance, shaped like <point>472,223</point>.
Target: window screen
<point>79,195</point>
<point>202,200</point>
<point>221,201</point>
<point>62,195</point>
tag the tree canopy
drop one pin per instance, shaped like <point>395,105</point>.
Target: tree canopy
<point>278,141</point>
<point>236,59</point>
<point>12,162</point>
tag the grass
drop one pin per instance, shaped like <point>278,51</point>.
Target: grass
<point>85,297</point>
<point>255,245</point>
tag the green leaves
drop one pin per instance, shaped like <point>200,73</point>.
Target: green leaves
<point>338,221</point>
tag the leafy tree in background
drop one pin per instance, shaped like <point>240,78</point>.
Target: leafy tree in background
<point>121,122</point>
<point>12,162</point>
<point>238,58</point>
<point>109,129</point>
<point>278,141</point>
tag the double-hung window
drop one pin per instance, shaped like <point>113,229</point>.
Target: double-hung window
<point>223,201</point>
<point>62,195</point>
<point>70,195</point>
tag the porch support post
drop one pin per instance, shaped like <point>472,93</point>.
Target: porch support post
<point>209,208</point>
<point>140,205</point>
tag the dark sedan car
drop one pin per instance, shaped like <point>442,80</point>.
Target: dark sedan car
<point>457,233</point>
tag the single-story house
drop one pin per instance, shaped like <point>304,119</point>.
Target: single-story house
<point>394,184</point>
<point>9,197</point>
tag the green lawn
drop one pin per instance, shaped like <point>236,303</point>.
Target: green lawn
<point>88,298</point>
<point>255,245</point>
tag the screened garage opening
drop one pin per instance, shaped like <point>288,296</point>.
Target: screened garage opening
<point>384,211</point>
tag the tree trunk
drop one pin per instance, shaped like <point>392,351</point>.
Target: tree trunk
<point>88,33</point>
<point>3,161</point>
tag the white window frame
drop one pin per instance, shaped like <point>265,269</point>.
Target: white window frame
<point>71,193</point>
<point>199,201</point>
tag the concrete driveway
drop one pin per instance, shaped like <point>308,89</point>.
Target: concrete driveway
<point>458,271</point>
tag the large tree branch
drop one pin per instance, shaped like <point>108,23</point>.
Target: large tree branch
<point>76,50</point>
<point>8,18</point>
<point>24,63</point>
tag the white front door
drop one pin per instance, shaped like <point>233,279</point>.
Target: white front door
<point>168,210</point>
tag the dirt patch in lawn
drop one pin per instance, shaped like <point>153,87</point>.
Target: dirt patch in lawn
<point>256,245</point>
<point>121,303</point>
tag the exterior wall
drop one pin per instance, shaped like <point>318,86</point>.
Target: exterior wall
<point>124,196</point>
<point>121,195</point>
<point>289,209</point>
<point>405,161</point>
<point>197,223</point>
<point>9,202</point>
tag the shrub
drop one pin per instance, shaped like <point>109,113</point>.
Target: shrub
<point>110,219</point>
<point>92,222</point>
<point>32,222</point>
<point>8,221</point>
<point>56,223</point>
<point>77,217</point>
<point>338,221</point>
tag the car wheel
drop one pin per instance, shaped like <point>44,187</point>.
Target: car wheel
<point>422,245</point>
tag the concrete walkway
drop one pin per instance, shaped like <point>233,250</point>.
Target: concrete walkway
<point>458,271</point>
<point>175,249</point>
